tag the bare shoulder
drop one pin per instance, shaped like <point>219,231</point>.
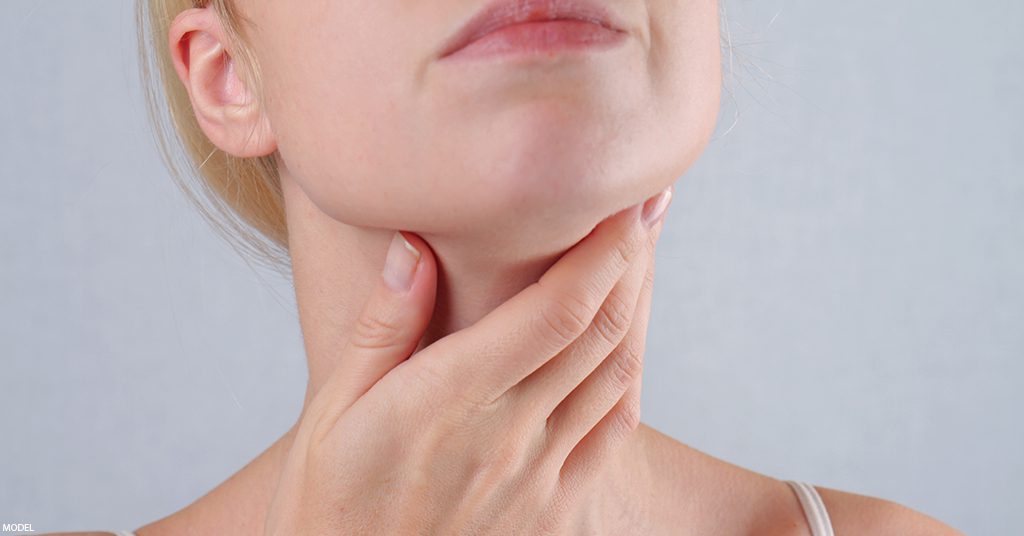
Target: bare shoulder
<point>852,513</point>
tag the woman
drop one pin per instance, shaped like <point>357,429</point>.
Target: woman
<point>478,372</point>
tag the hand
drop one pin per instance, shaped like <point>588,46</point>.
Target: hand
<point>499,428</point>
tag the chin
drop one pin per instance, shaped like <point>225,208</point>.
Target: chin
<point>553,170</point>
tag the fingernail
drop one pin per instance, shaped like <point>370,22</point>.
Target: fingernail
<point>400,264</point>
<point>655,207</point>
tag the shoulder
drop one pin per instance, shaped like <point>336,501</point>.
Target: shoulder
<point>852,513</point>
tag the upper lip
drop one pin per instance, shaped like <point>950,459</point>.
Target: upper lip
<point>500,13</point>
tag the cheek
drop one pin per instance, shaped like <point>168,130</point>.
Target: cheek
<point>342,129</point>
<point>686,71</point>
<point>338,77</point>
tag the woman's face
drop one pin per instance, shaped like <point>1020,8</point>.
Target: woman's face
<point>377,131</point>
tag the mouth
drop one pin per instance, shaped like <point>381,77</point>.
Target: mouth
<point>535,24</point>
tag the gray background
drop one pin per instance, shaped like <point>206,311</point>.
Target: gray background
<point>840,295</point>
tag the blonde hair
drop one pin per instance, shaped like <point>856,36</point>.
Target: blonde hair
<point>239,197</point>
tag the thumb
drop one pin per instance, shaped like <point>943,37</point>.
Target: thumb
<point>392,322</point>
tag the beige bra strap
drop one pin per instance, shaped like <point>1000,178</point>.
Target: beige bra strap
<point>814,508</point>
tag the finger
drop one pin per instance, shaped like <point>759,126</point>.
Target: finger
<point>390,325</point>
<point>522,333</point>
<point>605,409</point>
<point>546,388</point>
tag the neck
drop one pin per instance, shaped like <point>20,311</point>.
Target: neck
<point>334,265</point>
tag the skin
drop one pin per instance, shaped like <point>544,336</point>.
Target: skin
<point>499,169</point>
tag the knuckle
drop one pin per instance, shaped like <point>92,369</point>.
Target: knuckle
<point>472,416</point>
<point>626,248</point>
<point>649,279</point>
<point>613,319</point>
<point>428,391</point>
<point>505,458</point>
<point>628,415</point>
<point>565,316</point>
<point>430,376</point>
<point>374,332</point>
<point>627,364</point>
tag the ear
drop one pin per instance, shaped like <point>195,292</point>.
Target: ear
<point>227,111</point>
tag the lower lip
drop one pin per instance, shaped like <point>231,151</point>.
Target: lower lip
<point>540,37</point>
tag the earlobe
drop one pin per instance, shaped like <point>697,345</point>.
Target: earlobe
<point>224,107</point>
